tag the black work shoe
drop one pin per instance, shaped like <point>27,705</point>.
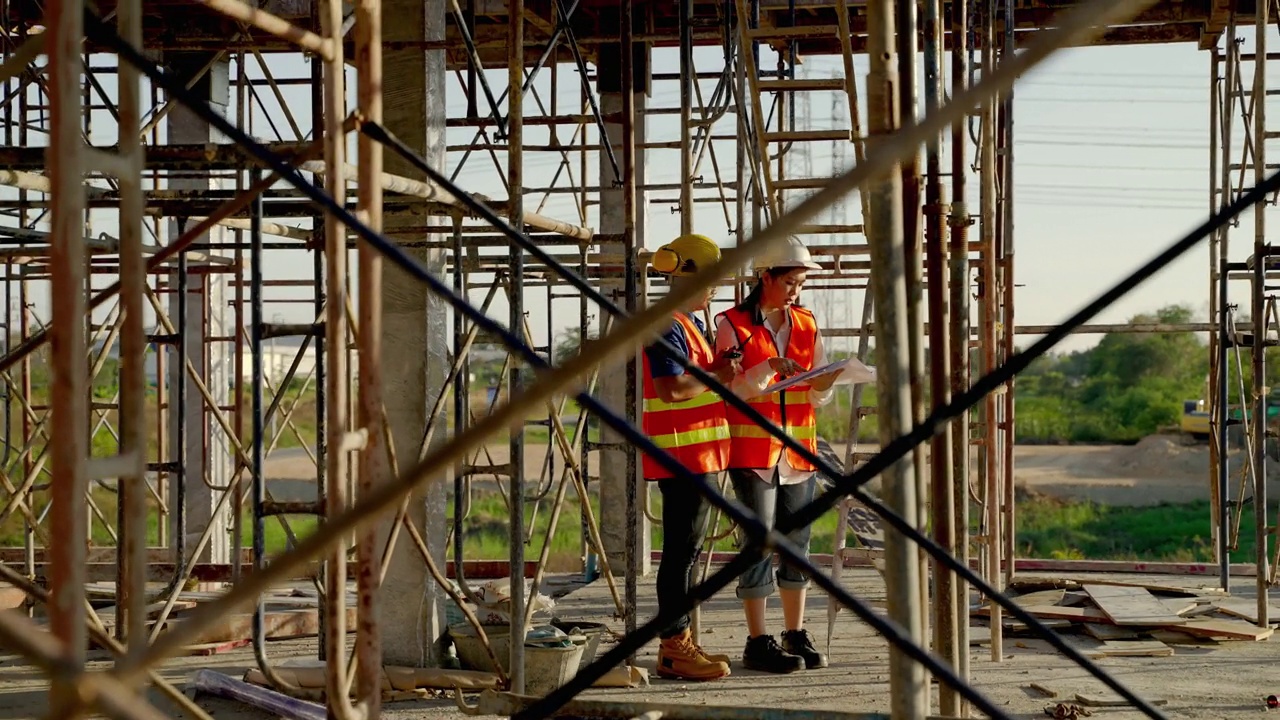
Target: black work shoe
<point>764,654</point>
<point>800,644</point>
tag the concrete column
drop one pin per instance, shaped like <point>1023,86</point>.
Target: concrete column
<point>613,380</point>
<point>414,338</point>
<point>206,455</point>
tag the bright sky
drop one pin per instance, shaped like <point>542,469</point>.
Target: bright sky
<point>1111,166</point>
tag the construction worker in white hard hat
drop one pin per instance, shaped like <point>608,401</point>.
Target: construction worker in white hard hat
<point>777,338</point>
<point>688,421</point>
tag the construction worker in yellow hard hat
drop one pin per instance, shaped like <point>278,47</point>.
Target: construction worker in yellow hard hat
<point>688,421</point>
<point>777,338</point>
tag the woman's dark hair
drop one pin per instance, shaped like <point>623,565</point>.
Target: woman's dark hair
<point>751,303</point>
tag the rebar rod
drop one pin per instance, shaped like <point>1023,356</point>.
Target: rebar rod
<point>132,586</point>
<point>1217,456</point>
<point>370,417</point>
<point>1262,533</point>
<point>942,495</point>
<point>515,176</point>
<point>959,286</point>
<point>629,244</point>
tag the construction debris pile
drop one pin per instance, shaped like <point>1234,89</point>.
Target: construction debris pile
<point>1108,618</point>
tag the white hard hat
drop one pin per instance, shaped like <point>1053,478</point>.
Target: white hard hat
<point>792,254</point>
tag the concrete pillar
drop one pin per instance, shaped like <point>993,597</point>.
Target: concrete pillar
<point>206,455</point>
<point>613,381</point>
<point>415,341</point>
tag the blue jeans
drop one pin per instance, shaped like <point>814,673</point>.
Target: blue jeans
<point>773,504</point>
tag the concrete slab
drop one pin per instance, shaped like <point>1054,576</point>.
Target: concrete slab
<point>1223,680</point>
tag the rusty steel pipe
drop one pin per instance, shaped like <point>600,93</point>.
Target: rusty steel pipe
<point>69,365</point>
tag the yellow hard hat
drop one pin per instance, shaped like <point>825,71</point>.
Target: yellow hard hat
<point>686,255</point>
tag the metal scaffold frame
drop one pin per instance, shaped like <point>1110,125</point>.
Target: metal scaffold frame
<point>1238,93</point>
<point>918,249</point>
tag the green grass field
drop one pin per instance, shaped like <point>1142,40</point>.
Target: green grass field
<point>1046,528</point>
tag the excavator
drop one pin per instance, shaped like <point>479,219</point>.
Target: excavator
<point>1195,415</point>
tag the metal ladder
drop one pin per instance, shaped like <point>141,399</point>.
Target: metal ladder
<point>770,146</point>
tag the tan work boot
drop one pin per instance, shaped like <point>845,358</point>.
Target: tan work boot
<point>679,658</point>
<point>718,657</point>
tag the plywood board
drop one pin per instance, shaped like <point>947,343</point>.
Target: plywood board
<point>1230,629</point>
<point>1131,605</point>
<point>1109,632</point>
<point>1246,608</point>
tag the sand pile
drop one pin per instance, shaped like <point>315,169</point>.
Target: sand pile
<point>1164,457</point>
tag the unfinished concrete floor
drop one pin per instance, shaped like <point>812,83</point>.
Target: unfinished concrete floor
<point>1229,679</point>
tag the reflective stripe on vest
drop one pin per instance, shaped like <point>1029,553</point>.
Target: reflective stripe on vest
<point>754,446</point>
<point>656,404</point>
<point>695,431</point>
<point>691,437</point>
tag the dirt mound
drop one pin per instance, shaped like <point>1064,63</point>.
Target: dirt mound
<point>1163,457</point>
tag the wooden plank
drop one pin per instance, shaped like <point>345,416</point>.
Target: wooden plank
<point>979,636</point>
<point>1246,608</point>
<point>206,649</point>
<point>1074,598</point>
<point>1015,626</point>
<point>1075,614</point>
<point>1043,690</point>
<point>1201,610</point>
<point>1076,582</point>
<point>1233,629</point>
<point>1178,637</point>
<point>1134,648</point>
<point>1179,606</point>
<point>1131,605</point>
<point>1109,632</point>
<point>1044,598</point>
<point>11,598</point>
<point>278,625</point>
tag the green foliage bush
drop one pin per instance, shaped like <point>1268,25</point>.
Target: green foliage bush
<point>1127,386</point>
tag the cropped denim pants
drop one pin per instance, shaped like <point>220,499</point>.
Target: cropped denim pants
<point>774,504</point>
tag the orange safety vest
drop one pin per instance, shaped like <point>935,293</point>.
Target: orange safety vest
<point>753,446</point>
<point>695,431</point>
